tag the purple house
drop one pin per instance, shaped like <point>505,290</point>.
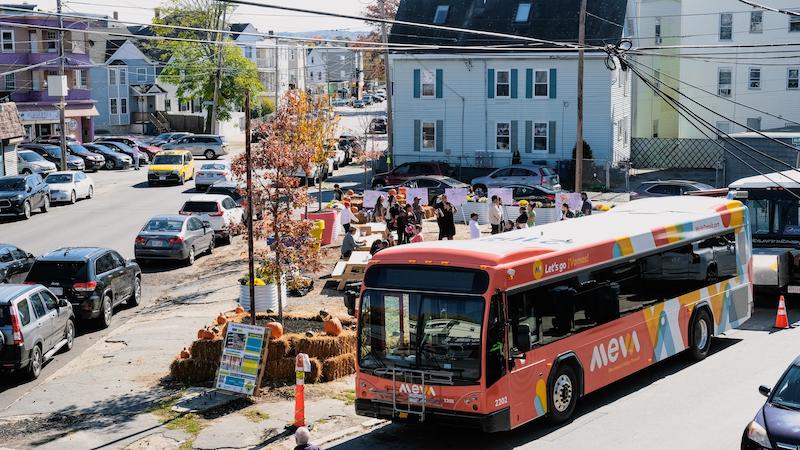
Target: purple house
<point>32,43</point>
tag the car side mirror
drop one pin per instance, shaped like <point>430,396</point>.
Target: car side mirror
<point>206,224</point>
<point>764,390</point>
<point>62,303</point>
<point>522,338</point>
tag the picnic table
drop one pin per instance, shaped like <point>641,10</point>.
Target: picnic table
<point>368,241</point>
<point>351,270</point>
<point>367,229</point>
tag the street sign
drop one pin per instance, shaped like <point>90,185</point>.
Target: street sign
<point>242,358</point>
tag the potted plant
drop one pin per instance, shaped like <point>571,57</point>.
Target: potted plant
<point>266,288</point>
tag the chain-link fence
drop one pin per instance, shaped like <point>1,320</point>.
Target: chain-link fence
<point>650,153</point>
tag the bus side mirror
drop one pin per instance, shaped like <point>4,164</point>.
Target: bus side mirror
<point>522,339</point>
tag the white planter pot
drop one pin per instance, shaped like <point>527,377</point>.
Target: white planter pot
<point>266,297</point>
<point>463,213</point>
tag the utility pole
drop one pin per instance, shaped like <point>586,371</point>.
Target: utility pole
<point>250,251</point>
<point>62,103</point>
<point>218,75</point>
<point>387,76</point>
<point>579,141</point>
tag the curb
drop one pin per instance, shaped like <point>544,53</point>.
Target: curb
<point>367,425</point>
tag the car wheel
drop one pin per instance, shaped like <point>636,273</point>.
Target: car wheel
<point>69,336</point>
<point>26,210</point>
<point>563,394</point>
<point>190,258</point>
<point>480,190</point>
<point>378,185</point>
<point>72,198</point>
<point>209,154</point>
<point>110,164</point>
<point>106,311</point>
<point>35,363</point>
<point>227,239</point>
<point>45,204</point>
<point>700,331</point>
<point>136,297</point>
<point>211,246</point>
<point>91,192</point>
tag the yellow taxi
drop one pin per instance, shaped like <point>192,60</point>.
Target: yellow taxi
<point>171,166</point>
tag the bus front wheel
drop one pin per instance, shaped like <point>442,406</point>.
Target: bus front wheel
<point>563,393</point>
<point>700,331</point>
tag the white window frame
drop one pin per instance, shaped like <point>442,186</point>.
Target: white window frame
<point>527,6</point>
<point>141,74</point>
<point>441,9</point>
<point>721,15</point>
<point>750,80</point>
<point>84,75</point>
<point>3,41</point>
<point>497,83</point>
<point>796,78</point>
<point>123,105</point>
<point>423,125</point>
<point>10,86</point>
<point>657,31</point>
<point>168,105</point>
<point>760,28</point>
<point>546,128</point>
<point>51,41</point>
<point>122,75</point>
<point>427,78</point>
<point>497,136</point>
<point>730,84</point>
<point>112,106</point>
<point>112,77</point>
<point>794,20</point>
<point>546,83</point>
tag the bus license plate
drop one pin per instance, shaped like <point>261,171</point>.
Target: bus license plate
<point>793,289</point>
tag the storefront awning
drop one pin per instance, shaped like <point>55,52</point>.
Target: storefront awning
<point>81,112</point>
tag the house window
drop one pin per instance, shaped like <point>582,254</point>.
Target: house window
<point>754,78</point>
<point>84,76</point>
<point>503,136</point>
<point>502,84</point>
<point>726,26</point>
<point>441,14</point>
<point>523,11</point>
<point>757,21</point>
<point>724,80</point>
<point>754,123</point>
<point>428,83</point>
<point>123,75</point>
<point>7,39</point>
<point>724,127</point>
<point>540,137</point>
<point>540,83</point>
<point>141,74</point>
<point>52,40</point>
<point>112,77</point>
<point>429,136</point>
<point>123,106</point>
<point>658,31</point>
<point>167,105</point>
<point>183,106</point>
<point>11,81</point>
<point>793,78</point>
<point>794,23</point>
<point>113,107</point>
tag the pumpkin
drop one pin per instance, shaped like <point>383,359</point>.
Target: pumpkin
<point>332,326</point>
<point>200,333</point>
<point>276,330</point>
<point>239,310</point>
<point>185,353</point>
<point>207,335</point>
<point>221,319</point>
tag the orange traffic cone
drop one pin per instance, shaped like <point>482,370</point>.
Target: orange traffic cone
<point>781,320</point>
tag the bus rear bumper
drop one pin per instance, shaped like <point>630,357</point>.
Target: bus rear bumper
<point>488,423</point>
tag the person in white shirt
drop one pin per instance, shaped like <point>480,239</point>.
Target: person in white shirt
<point>496,214</point>
<point>347,217</point>
<point>474,230</point>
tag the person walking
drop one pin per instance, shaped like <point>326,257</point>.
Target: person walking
<point>302,437</point>
<point>496,215</point>
<point>401,222</point>
<point>419,214</point>
<point>474,229</point>
<point>586,206</point>
<point>347,216</point>
<point>378,211</point>
<point>135,158</point>
<point>338,193</point>
<point>444,213</point>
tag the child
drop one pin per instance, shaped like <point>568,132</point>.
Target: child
<point>522,219</point>
<point>474,230</point>
<point>417,235</point>
<point>509,226</point>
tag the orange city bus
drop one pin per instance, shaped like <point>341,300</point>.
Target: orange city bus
<point>498,331</point>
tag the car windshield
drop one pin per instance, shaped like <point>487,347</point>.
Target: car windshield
<point>230,192</point>
<point>450,340</point>
<point>12,185</point>
<point>60,271</point>
<point>163,136</point>
<point>200,207</point>
<point>787,393</point>
<point>53,151</point>
<point>97,148</point>
<point>30,156</point>
<point>78,149</point>
<point>213,167</point>
<point>164,225</point>
<point>452,182</point>
<point>168,159</point>
<point>58,178</point>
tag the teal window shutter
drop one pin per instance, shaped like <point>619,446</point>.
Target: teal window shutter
<point>417,135</point>
<point>551,138</point>
<point>416,83</point>
<point>528,136</point>
<point>553,78</point>
<point>528,83</point>
<point>440,135</point>
<point>514,133</point>
<point>490,83</point>
<point>439,83</point>
<point>514,79</point>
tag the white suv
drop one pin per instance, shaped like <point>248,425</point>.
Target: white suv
<point>220,210</point>
<point>209,145</point>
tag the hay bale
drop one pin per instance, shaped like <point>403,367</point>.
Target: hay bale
<point>193,371</point>
<point>278,349</point>
<point>282,371</point>
<point>324,347</point>
<point>338,366</point>
<point>207,350</point>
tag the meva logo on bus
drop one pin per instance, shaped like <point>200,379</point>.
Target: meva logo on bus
<point>416,389</point>
<point>617,347</point>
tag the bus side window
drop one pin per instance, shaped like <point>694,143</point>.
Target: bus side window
<point>495,348</point>
<point>521,312</point>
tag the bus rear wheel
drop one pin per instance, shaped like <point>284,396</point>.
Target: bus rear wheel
<point>563,394</point>
<point>700,330</point>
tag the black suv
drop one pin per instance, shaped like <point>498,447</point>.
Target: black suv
<point>20,195</point>
<point>14,263</point>
<point>94,280</point>
<point>92,161</point>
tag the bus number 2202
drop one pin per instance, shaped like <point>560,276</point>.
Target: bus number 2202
<point>500,401</point>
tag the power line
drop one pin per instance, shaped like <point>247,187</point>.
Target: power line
<point>769,8</point>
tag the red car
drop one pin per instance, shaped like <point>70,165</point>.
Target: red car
<point>410,170</point>
<point>151,150</point>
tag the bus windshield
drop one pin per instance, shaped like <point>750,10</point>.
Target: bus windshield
<point>450,341</point>
<point>776,216</point>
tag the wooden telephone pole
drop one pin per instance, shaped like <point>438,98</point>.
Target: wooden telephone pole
<point>579,141</point>
<point>250,250</point>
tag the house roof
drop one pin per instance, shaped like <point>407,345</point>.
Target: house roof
<point>552,20</point>
<point>10,123</point>
<point>112,45</point>
<point>239,27</point>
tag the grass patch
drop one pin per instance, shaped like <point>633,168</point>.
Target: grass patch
<point>255,415</point>
<point>187,444</point>
<point>172,420</point>
<point>189,423</point>
<point>347,396</point>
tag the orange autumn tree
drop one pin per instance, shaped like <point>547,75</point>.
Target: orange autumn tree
<point>292,138</point>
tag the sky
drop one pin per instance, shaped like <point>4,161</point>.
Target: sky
<point>264,19</point>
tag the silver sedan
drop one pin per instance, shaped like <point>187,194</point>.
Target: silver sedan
<point>211,173</point>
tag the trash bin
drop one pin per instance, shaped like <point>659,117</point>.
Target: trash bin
<point>318,230</point>
<point>329,217</point>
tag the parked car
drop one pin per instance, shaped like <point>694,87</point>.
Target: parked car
<point>126,149</point>
<point>367,99</point>
<point>667,188</point>
<point>436,184</point>
<point>171,166</point>
<point>114,159</point>
<point>29,162</point>
<point>359,103</point>
<point>34,326</point>
<point>525,174</point>
<point>704,261</point>
<point>54,139</point>
<point>210,173</point>
<point>409,170</point>
<point>378,125</point>
<point>232,190</point>
<point>69,186</point>
<point>544,194</point>
<point>376,98</point>
<point>777,423</point>
<point>339,102</point>
<point>351,146</point>
<point>150,150</point>
<point>209,145</point>
<point>14,263</point>
<point>174,237</point>
<point>220,210</point>
<point>381,91</point>
<point>20,195</point>
<point>92,161</point>
<point>315,175</point>
<point>166,138</point>
<point>52,153</point>
<point>94,280</point>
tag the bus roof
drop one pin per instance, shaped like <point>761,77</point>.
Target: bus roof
<point>636,227</point>
<point>788,179</point>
